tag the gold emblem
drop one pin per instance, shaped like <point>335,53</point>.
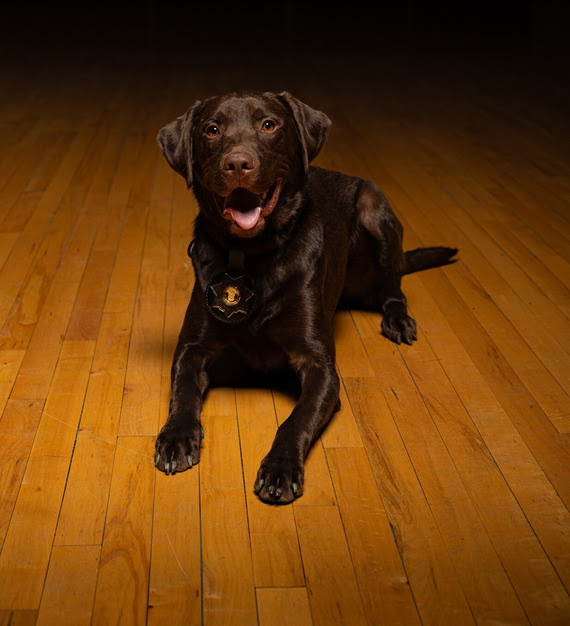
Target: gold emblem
<point>231,296</point>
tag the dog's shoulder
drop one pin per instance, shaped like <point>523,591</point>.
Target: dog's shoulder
<point>330,189</point>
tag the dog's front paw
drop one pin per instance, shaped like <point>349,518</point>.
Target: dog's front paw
<point>279,480</point>
<point>178,447</point>
<point>398,327</point>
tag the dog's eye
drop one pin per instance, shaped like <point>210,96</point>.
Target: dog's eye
<point>268,126</point>
<point>212,130</point>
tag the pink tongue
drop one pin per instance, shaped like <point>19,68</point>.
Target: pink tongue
<point>246,219</point>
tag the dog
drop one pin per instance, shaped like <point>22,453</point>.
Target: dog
<point>278,245</point>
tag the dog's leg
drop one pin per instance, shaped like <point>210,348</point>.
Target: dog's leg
<point>280,476</point>
<point>376,216</point>
<point>178,443</point>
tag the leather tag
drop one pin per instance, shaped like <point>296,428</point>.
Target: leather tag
<point>231,299</point>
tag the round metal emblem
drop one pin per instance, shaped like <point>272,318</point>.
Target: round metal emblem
<point>230,299</point>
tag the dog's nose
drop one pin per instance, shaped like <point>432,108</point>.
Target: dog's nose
<point>239,163</point>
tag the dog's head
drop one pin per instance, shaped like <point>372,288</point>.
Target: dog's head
<point>245,154</point>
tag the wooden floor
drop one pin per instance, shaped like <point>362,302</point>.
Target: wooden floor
<point>438,495</point>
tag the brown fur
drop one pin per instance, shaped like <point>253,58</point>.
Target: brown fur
<point>330,239</point>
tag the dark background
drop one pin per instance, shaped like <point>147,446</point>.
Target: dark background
<point>515,51</point>
<point>240,33</point>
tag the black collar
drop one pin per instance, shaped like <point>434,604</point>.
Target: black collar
<point>236,262</point>
<point>230,296</point>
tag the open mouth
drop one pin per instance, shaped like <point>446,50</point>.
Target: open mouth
<point>246,209</point>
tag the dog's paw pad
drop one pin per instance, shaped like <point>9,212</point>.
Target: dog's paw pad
<point>279,481</point>
<point>178,449</point>
<point>399,327</point>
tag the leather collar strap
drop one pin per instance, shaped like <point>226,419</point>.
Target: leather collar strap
<point>236,262</point>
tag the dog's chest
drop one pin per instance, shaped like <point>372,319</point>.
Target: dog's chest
<point>261,353</point>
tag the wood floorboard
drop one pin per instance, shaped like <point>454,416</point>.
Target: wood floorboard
<point>438,494</point>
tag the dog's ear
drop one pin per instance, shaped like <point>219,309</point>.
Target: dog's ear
<point>312,126</point>
<point>175,141</point>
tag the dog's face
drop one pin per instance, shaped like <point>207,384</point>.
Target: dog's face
<point>245,153</point>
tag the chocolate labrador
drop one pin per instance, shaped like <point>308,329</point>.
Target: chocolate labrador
<point>278,245</point>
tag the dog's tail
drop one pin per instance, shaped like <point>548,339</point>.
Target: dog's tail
<point>425,258</point>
